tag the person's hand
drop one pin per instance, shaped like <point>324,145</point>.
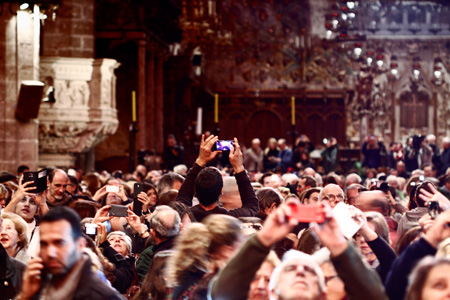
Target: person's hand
<point>329,233</point>
<point>365,230</point>
<point>122,194</point>
<point>435,195</point>
<point>134,221</point>
<point>440,230</point>
<point>206,154</point>
<point>31,280</point>
<point>23,190</point>
<point>99,194</point>
<point>102,233</point>
<point>426,222</point>
<point>102,215</point>
<point>236,157</point>
<point>145,200</point>
<point>277,225</point>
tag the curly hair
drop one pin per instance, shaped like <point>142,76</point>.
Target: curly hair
<point>21,228</point>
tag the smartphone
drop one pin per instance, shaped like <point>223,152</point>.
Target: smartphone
<point>118,210</point>
<point>325,141</point>
<point>137,205</point>
<point>112,189</point>
<point>433,209</point>
<point>223,145</point>
<point>348,225</point>
<point>90,230</point>
<point>38,178</point>
<point>308,213</point>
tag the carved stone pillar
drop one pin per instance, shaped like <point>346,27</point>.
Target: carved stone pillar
<point>84,112</point>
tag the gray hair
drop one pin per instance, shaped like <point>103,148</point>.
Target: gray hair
<point>328,186</point>
<point>160,223</point>
<point>126,238</point>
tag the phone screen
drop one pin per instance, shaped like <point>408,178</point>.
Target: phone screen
<point>224,145</point>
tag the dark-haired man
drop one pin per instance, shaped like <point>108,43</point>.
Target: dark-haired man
<point>62,271</point>
<point>207,183</point>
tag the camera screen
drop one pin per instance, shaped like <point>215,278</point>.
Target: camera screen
<point>91,230</point>
<point>224,145</point>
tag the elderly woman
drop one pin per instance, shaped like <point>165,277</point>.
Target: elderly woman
<point>116,248</point>
<point>13,236</point>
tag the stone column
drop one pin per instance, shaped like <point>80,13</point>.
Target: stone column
<point>150,113</point>
<point>141,95</point>
<point>18,139</point>
<point>159,105</point>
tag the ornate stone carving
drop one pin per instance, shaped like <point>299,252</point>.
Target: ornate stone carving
<point>84,113</point>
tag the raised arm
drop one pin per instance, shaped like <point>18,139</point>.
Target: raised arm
<point>187,190</point>
<point>250,204</point>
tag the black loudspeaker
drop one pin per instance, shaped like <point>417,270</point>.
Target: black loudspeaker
<point>29,99</point>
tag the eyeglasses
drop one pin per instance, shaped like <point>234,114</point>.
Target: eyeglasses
<point>257,227</point>
<point>334,198</point>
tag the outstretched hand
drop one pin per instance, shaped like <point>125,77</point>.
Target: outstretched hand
<point>206,154</point>
<point>236,157</point>
<point>435,195</point>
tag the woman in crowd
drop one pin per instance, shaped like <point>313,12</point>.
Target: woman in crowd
<point>13,236</point>
<point>200,252</point>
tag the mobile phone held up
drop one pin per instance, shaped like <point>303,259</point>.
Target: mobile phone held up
<point>112,189</point>
<point>223,145</point>
<point>137,205</point>
<point>118,210</point>
<point>307,213</point>
<point>38,178</point>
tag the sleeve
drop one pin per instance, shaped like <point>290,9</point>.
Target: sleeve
<point>187,190</point>
<point>360,281</point>
<point>250,204</point>
<point>397,279</point>
<point>233,281</point>
<point>123,270</point>
<point>385,255</point>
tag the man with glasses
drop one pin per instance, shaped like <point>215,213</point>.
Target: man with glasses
<point>332,193</point>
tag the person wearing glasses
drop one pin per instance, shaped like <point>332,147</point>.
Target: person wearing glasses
<point>332,193</point>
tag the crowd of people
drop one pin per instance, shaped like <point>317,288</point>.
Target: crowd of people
<point>252,223</point>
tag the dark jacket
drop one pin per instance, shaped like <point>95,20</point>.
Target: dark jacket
<point>11,271</point>
<point>124,267</point>
<point>250,204</point>
<point>397,280</point>
<point>91,286</point>
<point>233,281</point>
<point>146,258</point>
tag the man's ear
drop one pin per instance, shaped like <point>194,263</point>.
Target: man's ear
<point>48,182</point>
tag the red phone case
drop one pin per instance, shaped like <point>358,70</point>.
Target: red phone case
<point>308,213</point>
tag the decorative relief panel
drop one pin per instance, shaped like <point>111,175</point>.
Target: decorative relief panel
<point>84,112</point>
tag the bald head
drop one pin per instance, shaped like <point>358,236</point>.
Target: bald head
<point>165,223</point>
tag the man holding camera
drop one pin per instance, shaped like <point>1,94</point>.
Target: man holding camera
<point>207,184</point>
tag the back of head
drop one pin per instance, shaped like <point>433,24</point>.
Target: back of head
<point>267,197</point>
<point>224,230</point>
<point>167,181</point>
<point>230,198</point>
<point>190,253</point>
<point>380,224</point>
<point>310,181</point>
<point>165,222</point>
<point>208,186</point>
<point>167,197</point>
<point>62,213</point>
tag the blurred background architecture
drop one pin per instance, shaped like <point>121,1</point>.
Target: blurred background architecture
<point>99,84</point>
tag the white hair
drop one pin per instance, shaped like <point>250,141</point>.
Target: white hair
<point>126,238</point>
<point>297,256</point>
<point>446,140</point>
<point>289,178</point>
<point>431,138</point>
<point>180,169</point>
